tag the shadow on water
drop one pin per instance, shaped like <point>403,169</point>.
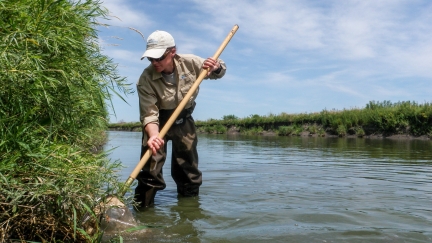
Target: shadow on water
<point>294,189</point>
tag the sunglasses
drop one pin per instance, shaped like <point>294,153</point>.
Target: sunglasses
<point>160,58</point>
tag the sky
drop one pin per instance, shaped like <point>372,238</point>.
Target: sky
<point>291,56</point>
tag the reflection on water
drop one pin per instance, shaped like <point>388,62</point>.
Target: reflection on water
<point>294,189</point>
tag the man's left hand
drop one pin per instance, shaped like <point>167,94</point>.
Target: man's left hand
<point>211,65</point>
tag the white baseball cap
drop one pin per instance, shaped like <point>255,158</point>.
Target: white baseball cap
<point>157,43</point>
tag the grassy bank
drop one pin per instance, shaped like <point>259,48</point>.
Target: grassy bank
<point>383,118</point>
<point>126,126</point>
<point>377,118</point>
<point>54,86</point>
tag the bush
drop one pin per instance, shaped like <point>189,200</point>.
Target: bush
<point>360,132</point>
<point>341,130</point>
<point>53,113</point>
<point>252,131</point>
<point>220,129</point>
<point>313,129</point>
<point>285,130</point>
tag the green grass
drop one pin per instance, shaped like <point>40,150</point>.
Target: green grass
<point>56,87</point>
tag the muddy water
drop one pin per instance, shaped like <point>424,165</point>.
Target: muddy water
<point>293,189</point>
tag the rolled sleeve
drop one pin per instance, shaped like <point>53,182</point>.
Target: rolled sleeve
<point>219,75</point>
<point>149,112</point>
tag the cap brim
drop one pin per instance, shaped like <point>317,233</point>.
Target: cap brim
<point>153,53</point>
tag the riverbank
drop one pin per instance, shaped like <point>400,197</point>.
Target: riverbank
<point>236,131</point>
<point>401,120</point>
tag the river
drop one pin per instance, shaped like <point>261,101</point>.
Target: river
<point>293,189</point>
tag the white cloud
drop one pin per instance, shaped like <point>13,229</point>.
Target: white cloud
<point>123,14</point>
<point>122,55</point>
<point>275,24</point>
<point>351,30</point>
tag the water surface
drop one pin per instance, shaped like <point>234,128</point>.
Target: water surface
<point>293,189</point>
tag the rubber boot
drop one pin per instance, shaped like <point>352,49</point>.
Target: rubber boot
<point>144,196</point>
<point>188,190</point>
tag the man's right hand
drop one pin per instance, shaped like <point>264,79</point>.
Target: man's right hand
<point>154,142</point>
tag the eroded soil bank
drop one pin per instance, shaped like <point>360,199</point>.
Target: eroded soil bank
<point>236,131</point>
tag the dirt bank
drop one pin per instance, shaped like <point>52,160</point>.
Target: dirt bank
<point>236,131</point>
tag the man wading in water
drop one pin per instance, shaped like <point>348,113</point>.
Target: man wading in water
<point>161,87</point>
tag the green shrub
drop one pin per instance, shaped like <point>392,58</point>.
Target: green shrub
<point>341,130</point>
<point>313,129</point>
<point>285,130</point>
<point>220,129</point>
<point>297,130</point>
<point>321,133</point>
<point>55,84</point>
<point>209,129</point>
<point>252,131</point>
<point>360,132</point>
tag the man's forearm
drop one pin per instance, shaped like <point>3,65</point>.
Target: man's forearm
<point>152,129</point>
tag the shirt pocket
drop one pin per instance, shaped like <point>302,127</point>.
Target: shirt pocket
<point>186,82</point>
<point>168,98</point>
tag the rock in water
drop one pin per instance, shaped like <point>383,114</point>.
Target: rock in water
<point>117,219</point>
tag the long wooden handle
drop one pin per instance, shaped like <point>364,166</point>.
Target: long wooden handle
<point>177,112</point>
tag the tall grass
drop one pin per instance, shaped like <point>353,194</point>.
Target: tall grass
<point>53,112</point>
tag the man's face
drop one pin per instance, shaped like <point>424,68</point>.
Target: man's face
<point>166,64</point>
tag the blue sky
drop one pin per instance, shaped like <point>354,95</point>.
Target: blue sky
<point>292,56</point>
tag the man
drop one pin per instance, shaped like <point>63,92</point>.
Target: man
<point>161,87</point>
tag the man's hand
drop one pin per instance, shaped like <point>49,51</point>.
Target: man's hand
<point>211,65</point>
<point>154,142</point>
